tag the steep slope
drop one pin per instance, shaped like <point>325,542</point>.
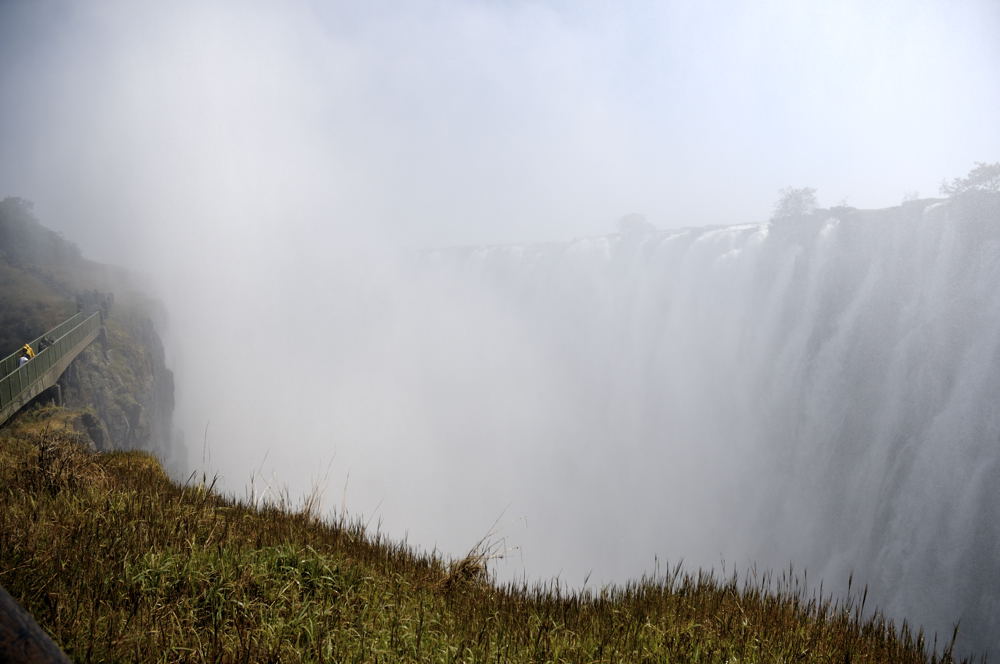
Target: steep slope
<point>119,564</point>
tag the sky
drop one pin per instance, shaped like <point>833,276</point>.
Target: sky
<point>266,165</point>
<point>437,123</point>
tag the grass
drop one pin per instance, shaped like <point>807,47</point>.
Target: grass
<point>119,563</point>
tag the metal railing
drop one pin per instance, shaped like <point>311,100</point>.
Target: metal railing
<point>9,363</point>
<point>65,336</point>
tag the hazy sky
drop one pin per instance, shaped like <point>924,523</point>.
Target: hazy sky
<point>468,122</point>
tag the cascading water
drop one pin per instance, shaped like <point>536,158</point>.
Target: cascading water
<point>821,392</point>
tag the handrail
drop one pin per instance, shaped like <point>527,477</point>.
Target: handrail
<point>20,380</point>
<point>10,362</point>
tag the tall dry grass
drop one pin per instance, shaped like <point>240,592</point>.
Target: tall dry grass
<point>121,564</point>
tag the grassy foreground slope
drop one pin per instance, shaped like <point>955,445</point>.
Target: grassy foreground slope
<point>119,563</point>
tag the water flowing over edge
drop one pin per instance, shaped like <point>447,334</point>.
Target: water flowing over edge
<point>819,391</point>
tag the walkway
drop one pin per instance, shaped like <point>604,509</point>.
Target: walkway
<point>20,385</point>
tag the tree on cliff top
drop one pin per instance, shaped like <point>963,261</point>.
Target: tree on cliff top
<point>794,203</point>
<point>984,177</point>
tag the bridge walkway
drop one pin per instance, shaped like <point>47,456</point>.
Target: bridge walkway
<point>19,385</point>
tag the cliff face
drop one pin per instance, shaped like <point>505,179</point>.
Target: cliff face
<point>123,381</point>
<point>118,393</point>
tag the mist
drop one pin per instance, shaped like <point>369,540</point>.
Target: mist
<point>293,180</point>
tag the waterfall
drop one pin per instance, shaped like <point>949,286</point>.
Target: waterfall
<point>820,391</point>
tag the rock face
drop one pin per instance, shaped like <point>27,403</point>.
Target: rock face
<point>123,384</point>
<point>21,638</point>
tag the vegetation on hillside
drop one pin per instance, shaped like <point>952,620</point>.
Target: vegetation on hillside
<point>28,307</point>
<point>118,563</point>
<point>26,241</point>
<point>40,276</point>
